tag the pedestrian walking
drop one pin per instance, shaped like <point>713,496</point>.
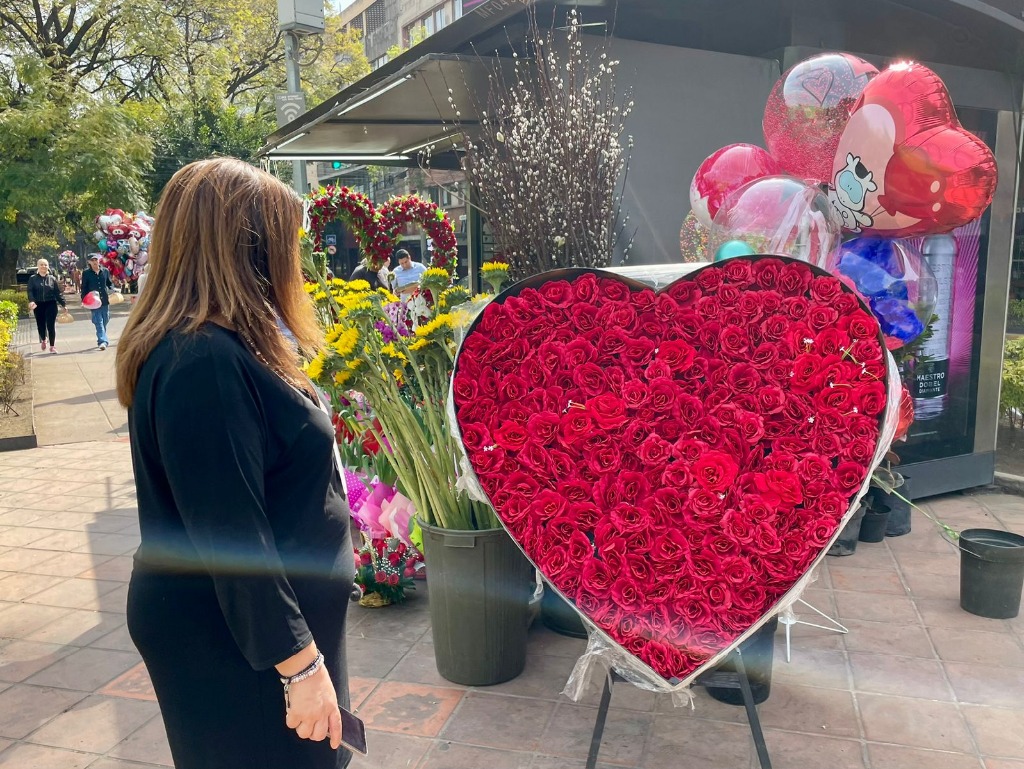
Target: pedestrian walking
<point>407,274</point>
<point>97,279</point>
<point>242,579</point>
<point>44,294</point>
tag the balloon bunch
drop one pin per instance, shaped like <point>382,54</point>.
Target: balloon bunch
<point>851,151</point>
<point>123,240</point>
<point>67,259</point>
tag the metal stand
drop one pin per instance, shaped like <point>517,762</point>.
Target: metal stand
<point>719,679</point>
<point>788,618</point>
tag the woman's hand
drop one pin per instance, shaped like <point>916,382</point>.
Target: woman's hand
<point>313,712</point>
<point>31,305</point>
<point>312,702</point>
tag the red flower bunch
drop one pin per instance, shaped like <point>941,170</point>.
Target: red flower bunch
<point>377,230</point>
<point>386,567</point>
<point>674,462</point>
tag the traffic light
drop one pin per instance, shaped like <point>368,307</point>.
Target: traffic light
<point>336,165</point>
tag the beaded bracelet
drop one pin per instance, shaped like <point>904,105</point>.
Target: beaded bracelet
<point>302,675</point>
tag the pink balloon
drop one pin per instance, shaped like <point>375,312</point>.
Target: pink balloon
<point>808,109</point>
<point>723,173</point>
<point>92,301</point>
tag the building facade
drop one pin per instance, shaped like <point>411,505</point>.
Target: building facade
<point>386,24</point>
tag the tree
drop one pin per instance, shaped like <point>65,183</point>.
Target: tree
<point>64,160</point>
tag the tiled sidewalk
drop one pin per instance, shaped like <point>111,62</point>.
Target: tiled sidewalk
<point>916,683</point>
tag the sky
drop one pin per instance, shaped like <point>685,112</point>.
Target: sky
<point>341,5</point>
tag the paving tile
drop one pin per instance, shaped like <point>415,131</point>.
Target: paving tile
<point>147,745</point>
<point>888,638</point>
<point>18,587</point>
<point>374,658</point>
<point>937,612</point>
<point>997,730</point>
<point>986,684</point>
<point>903,676</point>
<point>78,627</point>
<point>800,751</point>
<point>876,608</point>
<point>812,667</point>
<point>111,544</point>
<point>134,684</point>
<point>955,645</point>
<point>391,751</point>
<point>115,763</point>
<point>572,726</point>
<point>913,722</point>
<point>413,709</point>
<point>419,666</point>
<point>118,568</point>
<point>896,757</point>
<point>498,721</point>
<point>557,762</point>
<point>75,594</point>
<point>946,565</point>
<point>120,640</point>
<point>924,585</point>
<point>17,559</point>
<point>450,755</point>
<point>41,757</point>
<point>19,536</point>
<point>544,676</point>
<point>1003,763</point>
<point>21,659</point>
<point>359,689</point>
<point>20,517</point>
<point>863,580</point>
<point>96,724</point>
<point>23,709</point>
<point>707,744</point>
<point>545,641</point>
<point>86,669</point>
<point>115,601</point>
<point>18,620</point>
<point>399,623</point>
<point>809,709</point>
<point>62,541</point>
<point>67,564</point>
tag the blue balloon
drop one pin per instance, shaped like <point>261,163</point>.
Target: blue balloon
<point>102,244</point>
<point>732,248</point>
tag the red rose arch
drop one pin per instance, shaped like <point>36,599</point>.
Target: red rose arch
<point>674,462</point>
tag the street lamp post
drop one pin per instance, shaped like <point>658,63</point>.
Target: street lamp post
<point>294,85</point>
<point>296,18</point>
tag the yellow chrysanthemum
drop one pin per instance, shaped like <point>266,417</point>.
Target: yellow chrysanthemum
<point>494,268</point>
<point>311,288</point>
<point>440,324</point>
<point>419,344</point>
<point>355,364</point>
<point>356,285</point>
<point>433,274</point>
<point>391,351</point>
<point>387,296</point>
<point>342,377</point>
<point>315,368</point>
<point>346,342</point>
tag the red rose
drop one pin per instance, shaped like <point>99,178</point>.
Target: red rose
<point>860,450</point>
<point>850,476</point>
<point>632,486</point>
<point>686,294</point>
<point>709,307</point>
<point>585,288</point>
<point>639,351</point>
<point>586,514</point>
<point>870,399</point>
<point>677,474</point>
<point>729,295</point>
<point>820,318</point>
<point>607,411</point>
<point>796,307</point>
<point>557,293</point>
<point>663,394</point>
<point>826,289</point>
<point>677,354</point>
<point>715,471</point>
<point>779,487</point>
<point>770,399</point>
<point>613,289</point>
<point>743,378</point>
<point>847,303</point>
<point>511,436</point>
<point>596,578</point>
<point>709,279</point>
<point>794,279</point>
<point>832,507</point>
<point>737,272</point>
<point>734,341</point>
<point>575,426</point>
<point>767,272</point>
<point>655,451</point>
<point>627,594</point>
<point>635,393</point>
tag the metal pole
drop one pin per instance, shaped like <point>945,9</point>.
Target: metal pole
<point>291,61</point>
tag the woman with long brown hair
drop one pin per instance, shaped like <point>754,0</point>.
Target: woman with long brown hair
<point>243,575</point>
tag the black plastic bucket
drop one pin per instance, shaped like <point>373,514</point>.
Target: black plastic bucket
<point>991,572</point>
<point>558,615</point>
<point>847,542</point>
<point>899,509</point>
<point>480,585</point>
<point>758,657</point>
<point>872,528</point>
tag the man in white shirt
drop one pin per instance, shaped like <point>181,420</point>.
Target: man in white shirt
<point>408,273</point>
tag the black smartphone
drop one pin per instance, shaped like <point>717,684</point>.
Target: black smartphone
<point>353,733</point>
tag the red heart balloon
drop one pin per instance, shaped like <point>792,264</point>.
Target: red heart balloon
<point>674,462</point>
<point>904,165</point>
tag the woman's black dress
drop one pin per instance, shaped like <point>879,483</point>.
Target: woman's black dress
<point>245,553</point>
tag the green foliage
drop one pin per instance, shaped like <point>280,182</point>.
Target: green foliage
<point>1015,312</point>
<point>12,375</point>
<point>1011,394</point>
<point>18,299</point>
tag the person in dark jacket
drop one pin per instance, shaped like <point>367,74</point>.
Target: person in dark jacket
<point>374,279</point>
<point>97,279</point>
<point>44,294</point>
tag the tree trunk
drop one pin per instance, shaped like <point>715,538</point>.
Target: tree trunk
<point>8,266</point>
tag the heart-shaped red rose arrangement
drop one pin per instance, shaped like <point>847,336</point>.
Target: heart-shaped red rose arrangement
<point>674,462</point>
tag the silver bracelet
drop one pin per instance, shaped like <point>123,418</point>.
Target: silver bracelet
<point>302,675</point>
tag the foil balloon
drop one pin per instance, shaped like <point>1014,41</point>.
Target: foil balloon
<point>808,109</point>
<point>906,415</point>
<point>723,173</point>
<point>894,280</point>
<point>92,301</point>
<point>778,215</point>
<point>904,165</point>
